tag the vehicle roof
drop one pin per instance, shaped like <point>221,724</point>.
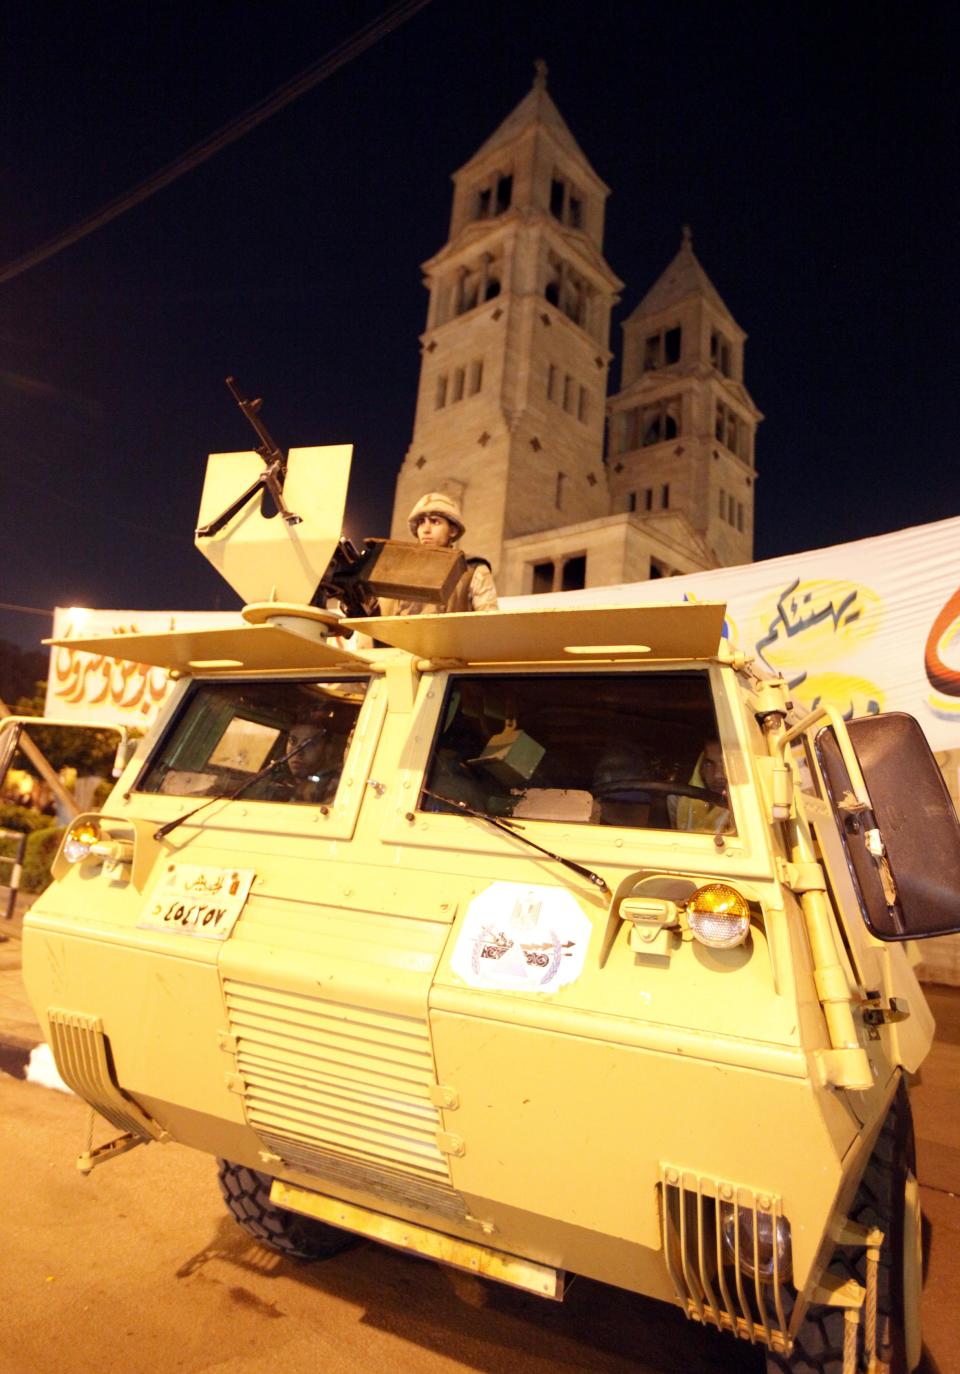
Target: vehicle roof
<point>556,634</point>
<point>551,635</point>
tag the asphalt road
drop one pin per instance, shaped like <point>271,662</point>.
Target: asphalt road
<point>139,1267</point>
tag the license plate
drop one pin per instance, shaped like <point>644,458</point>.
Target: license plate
<point>190,899</point>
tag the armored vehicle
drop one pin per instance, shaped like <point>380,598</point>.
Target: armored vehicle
<point>540,943</point>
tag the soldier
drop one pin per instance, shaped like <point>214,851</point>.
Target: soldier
<point>436,523</point>
<point>313,762</point>
<point>712,812</point>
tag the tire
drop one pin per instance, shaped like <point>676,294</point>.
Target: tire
<point>247,1195</point>
<point>887,1185</point>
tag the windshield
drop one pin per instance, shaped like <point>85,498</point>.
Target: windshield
<point>628,749</point>
<point>227,733</point>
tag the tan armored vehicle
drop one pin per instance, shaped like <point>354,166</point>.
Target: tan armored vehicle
<point>539,943</point>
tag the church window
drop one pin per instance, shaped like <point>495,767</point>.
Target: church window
<point>732,431</point>
<point>723,503</point>
<point>582,405</point>
<point>542,578</point>
<point>648,498</point>
<point>476,376</point>
<point>663,349</point>
<point>566,202</point>
<point>720,353</point>
<point>458,385</point>
<point>568,393</point>
<point>660,421</point>
<point>476,285</point>
<point>567,290</point>
<point>573,574</point>
<point>740,516</point>
<point>441,399</point>
<point>560,490</point>
<point>665,496</point>
<point>631,501</point>
<point>494,198</point>
<point>551,382</point>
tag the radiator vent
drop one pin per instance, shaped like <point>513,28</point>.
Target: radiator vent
<point>326,1083</point>
<point>390,1186</point>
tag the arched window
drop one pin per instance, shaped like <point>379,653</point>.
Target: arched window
<point>477,284</point>
<point>567,290</point>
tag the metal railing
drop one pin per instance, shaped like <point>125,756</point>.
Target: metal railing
<point>15,863</point>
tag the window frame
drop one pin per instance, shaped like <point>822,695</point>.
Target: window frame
<point>339,817</point>
<point>588,841</point>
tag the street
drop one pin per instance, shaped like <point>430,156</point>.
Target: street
<point>139,1267</point>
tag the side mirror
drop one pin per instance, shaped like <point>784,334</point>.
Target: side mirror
<point>904,854</point>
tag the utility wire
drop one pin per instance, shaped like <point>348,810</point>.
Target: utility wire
<point>27,610</point>
<point>338,57</point>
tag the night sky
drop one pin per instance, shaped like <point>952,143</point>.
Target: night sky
<point>812,148</point>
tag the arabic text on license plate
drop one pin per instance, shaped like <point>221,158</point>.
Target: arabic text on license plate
<point>193,900</point>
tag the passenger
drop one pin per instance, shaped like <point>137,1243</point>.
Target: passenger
<point>700,813</point>
<point>436,523</point>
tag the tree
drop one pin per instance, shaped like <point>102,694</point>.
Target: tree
<point>86,750</point>
<point>19,670</point>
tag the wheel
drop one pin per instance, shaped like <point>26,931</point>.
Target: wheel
<point>888,1197</point>
<point>247,1195</point>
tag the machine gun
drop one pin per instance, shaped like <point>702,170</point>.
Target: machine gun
<point>256,555</point>
<point>271,479</point>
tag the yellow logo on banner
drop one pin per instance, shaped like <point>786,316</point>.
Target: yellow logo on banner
<point>813,624</point>
<point>852,696</point>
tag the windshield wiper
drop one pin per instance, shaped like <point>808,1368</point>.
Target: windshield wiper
<point>509,828</point>
<point>239,791</point>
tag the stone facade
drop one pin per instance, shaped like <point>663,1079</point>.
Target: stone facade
<point>512,404</point>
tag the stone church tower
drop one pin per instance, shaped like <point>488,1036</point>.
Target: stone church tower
<point>512,401</point>
<point>682,426</point>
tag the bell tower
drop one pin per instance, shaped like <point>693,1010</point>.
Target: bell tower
<point>683,425</point>
<point>511,402</point>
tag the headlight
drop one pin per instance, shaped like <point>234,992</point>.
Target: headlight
<point>719,916</point>
<point>79,841</point>
<point>756,1253</point>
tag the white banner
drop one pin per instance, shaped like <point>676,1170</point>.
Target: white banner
<point>872,625</point>
<point>95,687</point>
<point>868,626</point>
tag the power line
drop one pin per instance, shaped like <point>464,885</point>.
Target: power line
<point>338,57</point>
<point>27,610</point>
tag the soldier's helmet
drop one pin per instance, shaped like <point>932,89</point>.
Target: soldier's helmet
<point>438,503</point>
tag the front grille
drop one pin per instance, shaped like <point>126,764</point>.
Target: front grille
<point>325,1082</point>
<point>716,1283</point>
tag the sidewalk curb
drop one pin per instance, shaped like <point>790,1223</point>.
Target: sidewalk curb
<point>15,1056</point>
<point>30,1061</point>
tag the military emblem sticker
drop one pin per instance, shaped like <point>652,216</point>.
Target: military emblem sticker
<point>521,938</point>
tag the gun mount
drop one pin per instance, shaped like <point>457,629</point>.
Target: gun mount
<point>303,557</point>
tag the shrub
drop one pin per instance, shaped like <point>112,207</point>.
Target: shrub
<point>22,818</point>
<point>41,848</point>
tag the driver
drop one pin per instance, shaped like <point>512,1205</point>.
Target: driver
<point>313,763</point>
<point>701,813</point>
